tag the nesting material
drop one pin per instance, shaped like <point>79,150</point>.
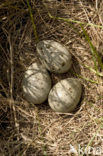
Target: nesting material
<point>36,84</point>
<point>65,95</point>
<point>54,56</point>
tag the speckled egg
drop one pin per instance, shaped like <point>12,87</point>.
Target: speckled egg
<point>36,84</point>
<point>54,56</point>
<point>65,95</point>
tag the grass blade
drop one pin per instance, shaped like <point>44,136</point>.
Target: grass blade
<point>95,54</point>
<point>74,21</point>
<point>32,19</point>
<point>80,76</point>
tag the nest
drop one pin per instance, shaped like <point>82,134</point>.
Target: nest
<point>37,130</point>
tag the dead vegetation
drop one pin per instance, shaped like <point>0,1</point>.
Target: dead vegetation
<point>37,130</point>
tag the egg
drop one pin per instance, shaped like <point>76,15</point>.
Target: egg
<point>54,56</point>
<point>65,95</point>
<point>36,84</point>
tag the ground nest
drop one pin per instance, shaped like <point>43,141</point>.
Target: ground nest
<point>31,130</point>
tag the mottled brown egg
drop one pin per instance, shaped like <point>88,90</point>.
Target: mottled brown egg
<point>65,95</point>
<point>36,84</point>
<point>54,56</point>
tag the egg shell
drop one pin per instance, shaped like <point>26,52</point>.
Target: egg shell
<point>54,56</point>
<point>36,84</point>
<point>65,95</point>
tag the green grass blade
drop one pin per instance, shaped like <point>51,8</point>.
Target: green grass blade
<point>95,54</point>
<point>93,70</point>
<point>32,19</point>
<point>74,21</point>
<point>80,76</point>
<point>91,47</point>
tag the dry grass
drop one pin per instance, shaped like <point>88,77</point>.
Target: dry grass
<point>37,130</point>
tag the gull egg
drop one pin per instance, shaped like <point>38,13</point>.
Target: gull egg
<point>65,95</point>
<point>36,84</point>
<point>54,56</point>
